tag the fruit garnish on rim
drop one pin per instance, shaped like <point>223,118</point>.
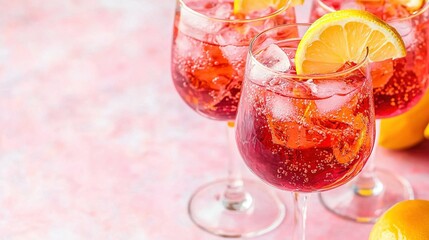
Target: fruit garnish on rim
<point>341,37</point>
<point>339,40</point>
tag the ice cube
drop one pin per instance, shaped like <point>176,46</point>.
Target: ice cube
<point>336,93</point>
<point>187,47</point>
<point>258,74</point>
<point>229,36</point>
<point>311,85</point>
<point>236,35</point>
<point>222,10</point>
<point>275,58</point>
<point>282,108</point>
<point>334,103</point>
<point>234,54</point>
<point>327,88</point>
<point>405,29</point>
<point>272,57</point>
<point>197,25</point>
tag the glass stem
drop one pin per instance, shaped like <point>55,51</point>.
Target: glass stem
<point>367,184</point>
<point>235,198</point>
<point>300,215</point>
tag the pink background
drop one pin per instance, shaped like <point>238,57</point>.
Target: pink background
<point>96,143</point>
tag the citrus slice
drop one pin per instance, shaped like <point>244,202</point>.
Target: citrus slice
<point>411,5</point>
<point>405,220</point>
<point>342,36</point>
<point>248,6</point>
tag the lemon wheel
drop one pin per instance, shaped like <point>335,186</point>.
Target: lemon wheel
<point>333,40</point>
<point>342,36</point>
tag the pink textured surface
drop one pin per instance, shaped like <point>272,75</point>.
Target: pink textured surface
<point>96,143</point>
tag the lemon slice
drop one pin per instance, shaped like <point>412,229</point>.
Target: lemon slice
<point>342,36</point>
<point>248,6</point>
<point>411,5</point>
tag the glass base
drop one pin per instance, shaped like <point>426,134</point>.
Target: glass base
<point>367,206</point>
<point>260,212</point>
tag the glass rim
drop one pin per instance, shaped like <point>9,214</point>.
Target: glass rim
<point>302,76</point>
<point>250,20</point>
<point>412,15</point>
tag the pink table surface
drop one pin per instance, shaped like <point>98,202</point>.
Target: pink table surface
<point>96,143</point>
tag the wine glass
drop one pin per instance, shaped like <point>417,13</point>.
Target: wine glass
<point>209,50</point>
<point>398,85</point>
<point>302,133</point>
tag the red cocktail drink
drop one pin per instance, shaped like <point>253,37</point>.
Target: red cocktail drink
<point>208,56</point>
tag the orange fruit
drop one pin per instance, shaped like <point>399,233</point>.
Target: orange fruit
<point>408,129</point>
<point>406,220</point>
